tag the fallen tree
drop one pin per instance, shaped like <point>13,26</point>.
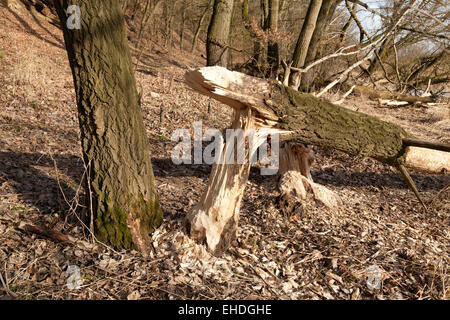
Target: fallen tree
<point>298,118</point>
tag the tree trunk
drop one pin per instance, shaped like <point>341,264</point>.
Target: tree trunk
<point>321,25</point>
<point>169,16</point>
<point>329,19</point>
<point>377,94</point>
<point>304,39</point>
<point>121,185</point>
<point>219,32</point>
<point>295,180</point>
<point>214,219</point>
<point>183,23</point>
<point>382,52</point>
<point>306,119</point>
<point>273,54</point>
<point>258,63</point>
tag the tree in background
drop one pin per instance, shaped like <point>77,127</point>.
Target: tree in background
<point>120,183</point>
<point>217,44</point>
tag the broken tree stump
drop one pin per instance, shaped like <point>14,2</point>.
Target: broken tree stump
<point>301,119</point>
<point>295,179</point>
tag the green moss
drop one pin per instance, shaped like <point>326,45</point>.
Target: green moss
<point>112,226</point>
<point>149,212</point>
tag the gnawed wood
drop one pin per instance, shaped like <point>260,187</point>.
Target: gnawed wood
<point>303,118</point>
<point>300,118</point>
<point>215,218</point>
<point>296,180</point>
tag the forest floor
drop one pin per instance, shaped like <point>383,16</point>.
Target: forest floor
<point>315,254</point>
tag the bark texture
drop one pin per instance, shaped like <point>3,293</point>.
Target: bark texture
<point>115,147</point>
<point>303,41</point>
<point>219,32</point>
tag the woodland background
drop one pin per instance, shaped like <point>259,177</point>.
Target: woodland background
<point>314,253</point>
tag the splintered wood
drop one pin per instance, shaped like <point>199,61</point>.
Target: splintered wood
<point>214,219</point>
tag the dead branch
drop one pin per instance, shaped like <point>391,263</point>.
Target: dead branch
<point>369,54</point>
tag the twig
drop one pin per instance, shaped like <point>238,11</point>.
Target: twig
<point>345,95</point>
<point>440,191</point>
<point>397,72</point>
<point>430,16</point>
<point>73,209</point>
<point>47,233</point>
<point>411,184</point>
<point>5,284</point>
<point>426,144</point>
<point>371,51</point>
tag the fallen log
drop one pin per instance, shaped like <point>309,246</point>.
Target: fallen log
<point>298,118</point>
<point>377,95</point>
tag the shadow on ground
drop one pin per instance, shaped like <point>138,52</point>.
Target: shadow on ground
<point>32,177</point>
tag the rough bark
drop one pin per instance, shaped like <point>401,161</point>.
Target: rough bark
<point>122,190</point>
<point>218,33</point>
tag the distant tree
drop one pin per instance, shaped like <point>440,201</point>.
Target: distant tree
<point>217,44</point>
<point>120,183</point>
<point>323,19</point>
<point>200,25</point>
<point>273,51</point>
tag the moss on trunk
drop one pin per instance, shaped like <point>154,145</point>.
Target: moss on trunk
<point>324,124</point>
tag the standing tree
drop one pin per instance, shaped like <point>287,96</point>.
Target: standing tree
<point>123,198</point>
<point>304,39</point>
<point>217,43</point>
<point>273,52</point>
